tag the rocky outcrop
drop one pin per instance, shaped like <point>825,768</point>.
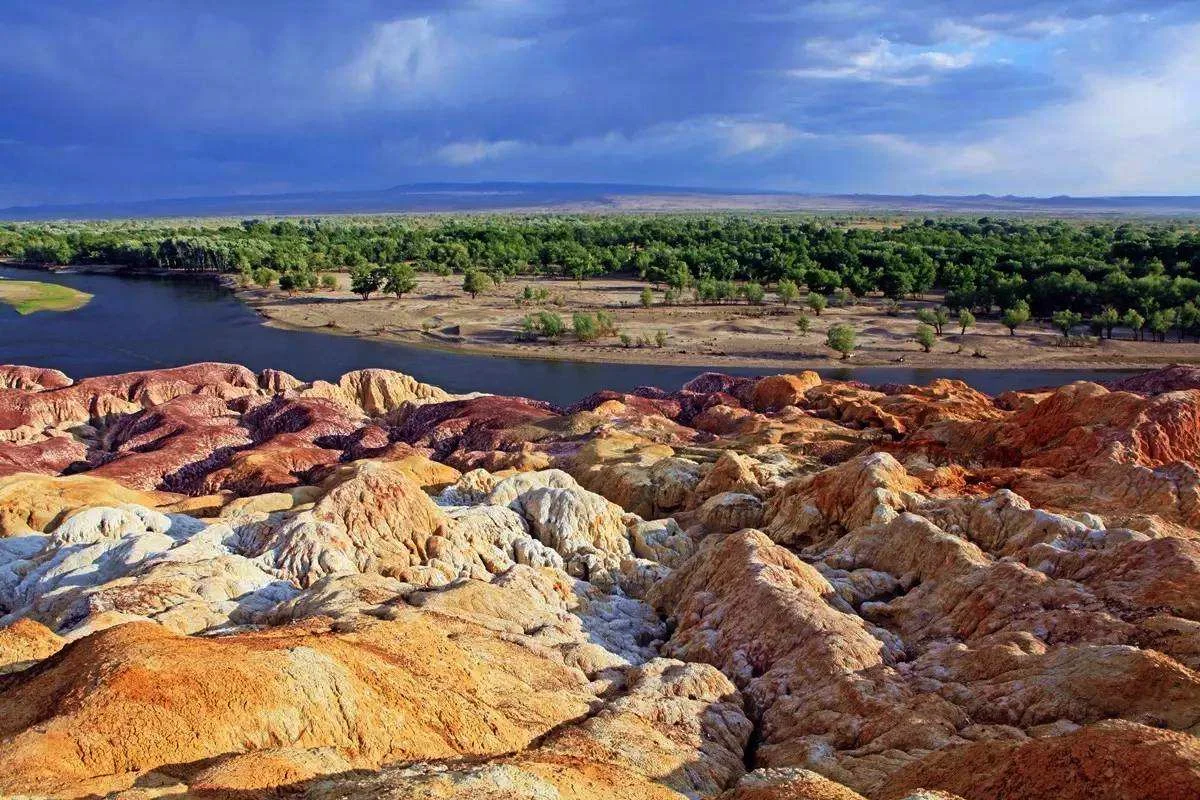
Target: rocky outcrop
<point>221,584</point>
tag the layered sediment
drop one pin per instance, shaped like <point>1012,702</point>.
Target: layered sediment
<point>220,583</point>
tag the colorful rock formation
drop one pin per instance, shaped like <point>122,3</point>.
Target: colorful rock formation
<point>221,584</point>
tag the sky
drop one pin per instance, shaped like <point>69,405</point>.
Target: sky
<point>126,100</point>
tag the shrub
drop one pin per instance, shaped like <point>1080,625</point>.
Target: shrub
<point>926,336</point>
<point>647,298</point>
<point>754,293</point>
<point>843,298</point>
<point>475,282</point>
<point>841,338</point>
<point>803,323</point>
<point>816,302</point>
<point>626,340</point>
<point>329,281</point>
<point>660,338</point>
<point>892,308</point>
<point>586,329</point>
<point>605,324</point>
<point>264,277</point>
<point>550,325</point>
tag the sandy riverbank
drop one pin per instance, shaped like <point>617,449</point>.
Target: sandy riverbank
<point>439,314</point>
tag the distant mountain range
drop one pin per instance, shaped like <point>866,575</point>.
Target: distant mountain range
<point>597,197</point>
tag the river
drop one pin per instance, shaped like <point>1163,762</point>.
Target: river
<point>135,323</point>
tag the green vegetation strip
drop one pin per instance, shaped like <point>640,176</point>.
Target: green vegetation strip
<point>30,296</point>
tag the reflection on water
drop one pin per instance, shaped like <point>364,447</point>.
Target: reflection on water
<point>146,323</point>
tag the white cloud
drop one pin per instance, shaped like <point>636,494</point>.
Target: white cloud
<point>401,54</point>
<point>879,61</point>
<point>461,154</point>
<point>1123,133</point>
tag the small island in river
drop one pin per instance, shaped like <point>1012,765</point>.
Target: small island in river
<point>26,297</point>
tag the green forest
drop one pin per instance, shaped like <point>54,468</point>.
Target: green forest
<point>1102,271</point>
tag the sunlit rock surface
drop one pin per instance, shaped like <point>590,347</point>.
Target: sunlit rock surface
<point>215,583</point>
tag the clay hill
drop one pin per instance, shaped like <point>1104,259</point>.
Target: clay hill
<point>221,584</point>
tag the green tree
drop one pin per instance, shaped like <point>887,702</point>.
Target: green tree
<point>475,282</point>
<point>1189,319</point>
<point>1105,321</point>
<point>926,336</point>
<point>365,279</point>
<point>816,302</point>
<point>803,323</point>
<point>841,338</point>
<point>1065,320</point>
<point>787,291</point>
<point>965,320</point>
<point>264,277</point>
<point>399,279</point>
<point>289,282</point>
<point>936,318</point>
<point>1134,321</point>
<point>550,325</point>
<point>1161,322</point>
<point>754,293</point>
<point>1015,317</point>
<point>647,298</point>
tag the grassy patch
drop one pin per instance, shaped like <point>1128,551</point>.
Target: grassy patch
<point>30,296</point>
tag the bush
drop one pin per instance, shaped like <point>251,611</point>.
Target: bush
<point>816,302</point>
<point>803,323</point>
<point>329,281</point>
<point>754,293</point>
<point>626,340</point>
<point>660,338</point>
<point>586,329</point>
<point>892,308</point>
<point>605,324</point>
<point>926,336</point>
<point>647,298</point>
<point>841,338</point>
<point>475,282</point>
<point>843,298</point>
<point>264,277</point>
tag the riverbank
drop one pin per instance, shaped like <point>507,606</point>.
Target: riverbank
<point>439,314</point>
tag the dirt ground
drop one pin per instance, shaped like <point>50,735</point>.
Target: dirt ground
<point>440,314</point>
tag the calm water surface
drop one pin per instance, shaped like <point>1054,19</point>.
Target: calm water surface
<point>147,323</point>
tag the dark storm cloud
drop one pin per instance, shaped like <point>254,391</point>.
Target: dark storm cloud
<point>132,99</point>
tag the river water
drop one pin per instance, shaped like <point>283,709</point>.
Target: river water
<point>135,323</point>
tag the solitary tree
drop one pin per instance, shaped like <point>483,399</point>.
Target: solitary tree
<point>817,302</point>
<point>364,280</point>
<point>1106,320</point>
<point>926,336</point>
<point>1134,321</point>
<point>399,279</point>
<point>647,297</point>
<point>935,318</point>
<point>475,282</point>
<point>965,320</point>
<point>1015,317</point>
<point>842,339</point>
<point>1066,320</point>
<point>787,291</point>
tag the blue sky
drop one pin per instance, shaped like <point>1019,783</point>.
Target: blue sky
<point>127,100</point>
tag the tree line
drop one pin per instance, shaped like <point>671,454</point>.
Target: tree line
<point>982,265</point>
